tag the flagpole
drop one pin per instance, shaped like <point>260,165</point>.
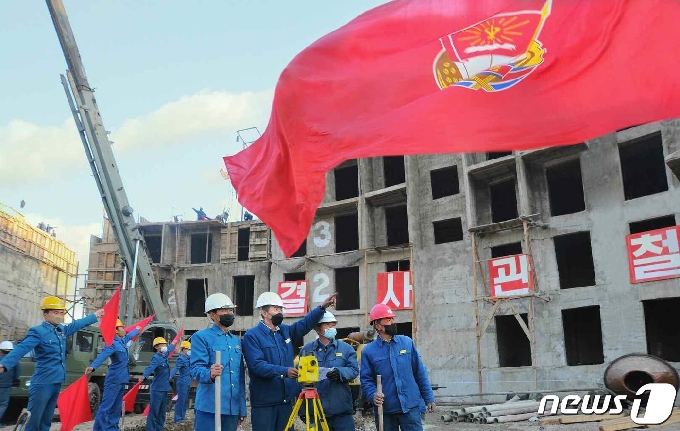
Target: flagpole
<point>218,406</point>
<point>121,309</point>
<point>131,291</point>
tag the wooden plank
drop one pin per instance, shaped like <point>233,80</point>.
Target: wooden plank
<point>674,419</point>
<point>590,418</point>
<point>552,420</point>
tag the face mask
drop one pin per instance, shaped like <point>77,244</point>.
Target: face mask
<point>164,349</point>
<point>391,330</point>
<point>227,319</point>
<point>277,319</point>
<point>330,333</point>
<point>188,352</point>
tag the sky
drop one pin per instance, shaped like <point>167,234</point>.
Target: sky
<point>174,82</point>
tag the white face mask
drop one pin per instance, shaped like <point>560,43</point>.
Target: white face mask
<point>188,352</point>
<point>164,349</point>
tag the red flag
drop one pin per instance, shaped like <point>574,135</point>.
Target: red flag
<point>108,323</point>
<point>130,397</point>
<point>442,76</point>
<point>74,404</point>
<point>175,341</point>
<point>142,324</point>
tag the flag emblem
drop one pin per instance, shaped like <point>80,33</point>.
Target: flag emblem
<point>494,54</point>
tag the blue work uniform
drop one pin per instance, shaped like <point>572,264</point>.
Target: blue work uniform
<point>182,369</point>
<point>404,381</point>
<point>336,396</point>
<point>49,345</point>
<point>160,386</point>
<point>6,381</point>
<point>117,376</point>
<point>269,354</point>
<point>204,344</point>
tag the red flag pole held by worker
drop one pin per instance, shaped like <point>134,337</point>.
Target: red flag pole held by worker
<point>108,323</point>
<point>175,341</point>
<point>74,404</point>
<point>452,76</point>
<point>131,396</point>
<point>142,324</point>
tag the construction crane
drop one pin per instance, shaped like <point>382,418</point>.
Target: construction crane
<point>104,169</point>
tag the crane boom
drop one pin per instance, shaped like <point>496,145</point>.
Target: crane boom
<point>103,163</point>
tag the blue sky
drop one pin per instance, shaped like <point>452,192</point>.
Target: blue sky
<point>174,81</point>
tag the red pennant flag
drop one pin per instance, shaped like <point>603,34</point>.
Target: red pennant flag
<point>74,404</point>
<point>142,324</point>
<point>146,410</point>
<point>108,323</point>
<point>130,397</point>
<point>442,76</point>
<point>175,341</point>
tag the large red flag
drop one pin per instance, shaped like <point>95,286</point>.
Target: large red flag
<point>74,404</point>
<point>108,323</point>
<point>130,397</point>
<point>142,324</point>
<point>175,341</point>
<point>447,76</point>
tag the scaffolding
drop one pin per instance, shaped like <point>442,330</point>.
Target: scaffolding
<point>525,223</point>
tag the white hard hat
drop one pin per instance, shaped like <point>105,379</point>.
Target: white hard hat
<point>328,317</point>
<point>6,345</point>
<point>269,298</point>
<point>217,301</point>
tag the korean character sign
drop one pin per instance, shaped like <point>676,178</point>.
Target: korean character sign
<point>511,276</point>
<point>294,296</point>
<point>654,255</point>
<point>395,290</point>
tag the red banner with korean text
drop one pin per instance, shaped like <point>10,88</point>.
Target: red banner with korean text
<point>294,297</point>
<point>654,255</point>
<point>395,290</point>
<point>511,276</point>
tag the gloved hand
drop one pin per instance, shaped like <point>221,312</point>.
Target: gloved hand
<point>334,375</point>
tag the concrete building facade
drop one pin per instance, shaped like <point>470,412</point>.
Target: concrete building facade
<point>443,217</point>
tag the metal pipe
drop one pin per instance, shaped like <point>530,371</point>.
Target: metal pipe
<point>518,410</point>
<point>507,406</point>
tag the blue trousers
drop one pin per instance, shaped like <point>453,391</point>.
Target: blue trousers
<point>341,422</point>
<point>182,400</point>
<point>409,421</point>
<point>270,418</point>
<point>42,399</point>
<point>206,421</point>
<point>159,403</point>
<point>109,411</point>
<point>4,400</point>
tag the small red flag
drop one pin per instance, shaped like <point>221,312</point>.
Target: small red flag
<point>74,404</point>
<point>142,324</point>
<point>175,341</point>
<point>146,411</point>
<point>108,323</point>
<point>443,76</point>
<point>130,397</point>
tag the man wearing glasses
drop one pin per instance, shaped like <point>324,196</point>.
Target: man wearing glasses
<point>48,340</point>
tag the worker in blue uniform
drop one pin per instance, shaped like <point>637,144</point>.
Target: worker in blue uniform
<point>48,341</point>
<point>160,385</point>
<point>268,349</point>
<point>7,379</point>
<point>231,368</point>
<point>333,388</point>
<point>183,385</point>
<point>118,374</point>
<point>404,377</point>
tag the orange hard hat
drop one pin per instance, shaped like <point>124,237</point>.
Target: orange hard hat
<point>380,311</point>
<point>119,323</point>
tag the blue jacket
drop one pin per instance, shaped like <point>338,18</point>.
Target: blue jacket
<point>204,344</point>
<point>118,371</point>
<point>182,366</point>
<point>269,354</point>
<point>49,345</point>
<point>336,397</point>
<point>404,377</point>
<point>161,371</point>
<point>10,375</point>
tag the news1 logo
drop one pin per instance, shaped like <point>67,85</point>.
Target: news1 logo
<point>658,410</point>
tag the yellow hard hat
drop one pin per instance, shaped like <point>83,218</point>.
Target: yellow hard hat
<point>52,303</point>
<point>185,345</point>
<point>159,340</point>
<point>119,323</point>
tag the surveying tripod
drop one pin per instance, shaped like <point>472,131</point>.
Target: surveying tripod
<point>316,415</point>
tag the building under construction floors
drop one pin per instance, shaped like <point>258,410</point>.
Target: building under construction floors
<point>516,272</point>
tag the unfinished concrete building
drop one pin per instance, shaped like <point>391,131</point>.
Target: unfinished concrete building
<point>447,219</point>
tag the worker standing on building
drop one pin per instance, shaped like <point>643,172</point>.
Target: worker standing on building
<point>7,379</point>
<point>334,390</point>
<point>268,349</point>
<point>183,385</point>
<point>117,376</point>
<point>404,377</point>
<point>160,385</point>
<point>48,341</point>
<point>205,369</point>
